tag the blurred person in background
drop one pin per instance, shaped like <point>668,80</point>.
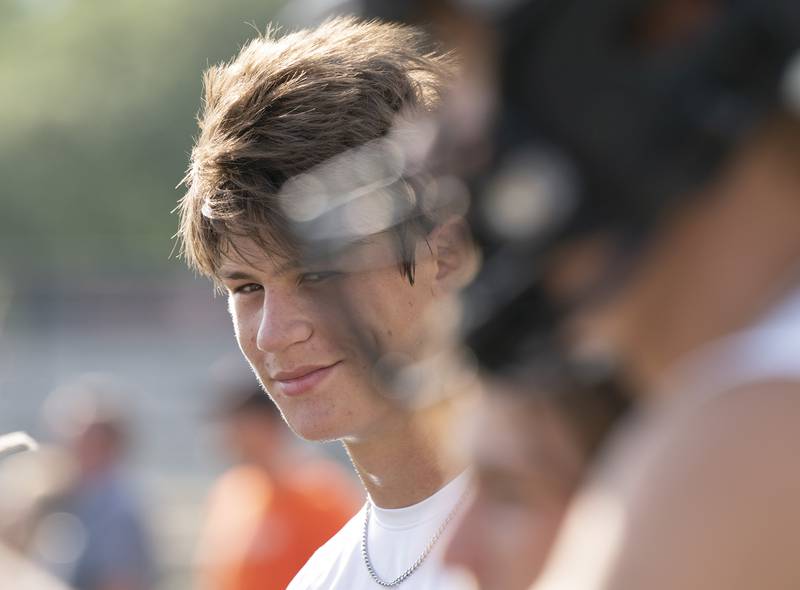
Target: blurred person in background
<point>19,573</point>
<point>95,537</point>
<point>641,218</point>
<point>339,284</point>
<point>31,484</point>
<point>27,483</point>
<point>269,513</point>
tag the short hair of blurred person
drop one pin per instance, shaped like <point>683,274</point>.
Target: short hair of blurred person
<point>319,326</point>
<point>100,522</point>
<point>88,415</point>
<point>252,427</point>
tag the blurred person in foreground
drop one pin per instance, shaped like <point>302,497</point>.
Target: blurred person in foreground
<point>269,513</point>
<point>530,447</point>
<point>642,217</point>
<point>339,283</point>
<point>96,536</point>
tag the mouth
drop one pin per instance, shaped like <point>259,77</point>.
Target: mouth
<point>302,380</point>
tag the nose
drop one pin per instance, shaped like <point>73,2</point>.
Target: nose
<point>283,322</point>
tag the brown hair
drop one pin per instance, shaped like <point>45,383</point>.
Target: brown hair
<point>285,105</point>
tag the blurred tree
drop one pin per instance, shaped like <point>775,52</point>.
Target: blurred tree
<point>98,102</point>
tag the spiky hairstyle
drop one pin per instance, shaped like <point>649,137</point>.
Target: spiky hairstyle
<point>286,104</point>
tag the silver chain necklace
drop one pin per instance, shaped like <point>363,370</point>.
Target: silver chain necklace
<point>428,548</point>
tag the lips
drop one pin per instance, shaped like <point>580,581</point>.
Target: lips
<point>302,379</point>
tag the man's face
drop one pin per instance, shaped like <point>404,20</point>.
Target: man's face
<point>313,335</point>
<point>525,474</point>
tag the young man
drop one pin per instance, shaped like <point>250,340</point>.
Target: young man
<point>300,207</point>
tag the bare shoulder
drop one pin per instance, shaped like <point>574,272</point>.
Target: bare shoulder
<point>777,401</point>
<point>756,426</point>
<point>718,504</point>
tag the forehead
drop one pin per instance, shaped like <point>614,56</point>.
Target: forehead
<point>242,253</point>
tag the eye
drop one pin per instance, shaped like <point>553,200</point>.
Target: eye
<point>246,289</point>
<point>316,276</point>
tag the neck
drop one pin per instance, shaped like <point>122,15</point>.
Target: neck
<point>409,457</point>
<point>714,268</point>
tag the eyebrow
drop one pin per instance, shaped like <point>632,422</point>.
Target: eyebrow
<point>236,275</point>
<point>289,265</point>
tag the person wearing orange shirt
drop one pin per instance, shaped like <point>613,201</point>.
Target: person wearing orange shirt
<point>269,513</point>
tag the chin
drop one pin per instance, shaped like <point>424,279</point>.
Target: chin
<point>332,413</point>
<point>315,423</point>
<point>316,432</point>
<point>329,424</point>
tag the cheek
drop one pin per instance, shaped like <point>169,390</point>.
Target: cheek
<point>485,546</point>
<point>398,315</point>
<point>245,326</point>
<point>509,530</point>
<point>529,531</point>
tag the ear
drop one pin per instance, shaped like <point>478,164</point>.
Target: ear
<point>454,253</point>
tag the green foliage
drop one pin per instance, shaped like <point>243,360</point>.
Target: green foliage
<point>98,105</point>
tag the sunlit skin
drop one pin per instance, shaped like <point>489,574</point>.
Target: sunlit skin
<point>701,492</point>
<point>313,336</point>
<point>527,468</point>
<point>290,320</point>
